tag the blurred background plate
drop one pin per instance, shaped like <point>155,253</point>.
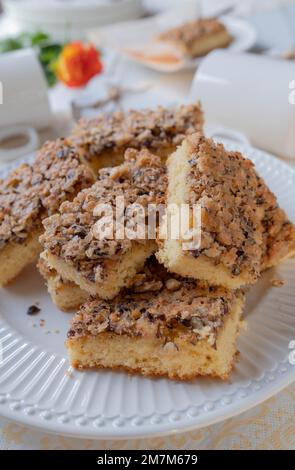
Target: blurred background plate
<point>139,36</point>
<point>66,20</point>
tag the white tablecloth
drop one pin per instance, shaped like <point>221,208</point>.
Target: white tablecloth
<point>268,426</point>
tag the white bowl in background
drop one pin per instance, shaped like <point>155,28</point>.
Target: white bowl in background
<point>251,94</point>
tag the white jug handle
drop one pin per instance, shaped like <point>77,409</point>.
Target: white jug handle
<point>230,134</point>
<point>7,155</point>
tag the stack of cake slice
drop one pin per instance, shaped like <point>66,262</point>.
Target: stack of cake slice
<point>79,252</point>
<point>146,303</point>
<point>63,168</point>
<point>178,317</point>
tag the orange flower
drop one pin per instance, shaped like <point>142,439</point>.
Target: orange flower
<point>77,64</point>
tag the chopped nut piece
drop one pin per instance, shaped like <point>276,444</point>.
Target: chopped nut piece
<point>170,347</point>
<point>277,282</point>
<point>148,286</point>
<point>173,284</point>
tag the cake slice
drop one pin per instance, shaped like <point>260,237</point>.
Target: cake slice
<point>66,295</point>
<point>197,38</point>
<point>101,263</point>
<point>103,140</point>
<point>165,326</point>
<point>31,193</point>
<point>243,230</point>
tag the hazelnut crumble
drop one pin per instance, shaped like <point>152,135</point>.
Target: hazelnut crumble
<point>35,191</point>
<point>156,130</point>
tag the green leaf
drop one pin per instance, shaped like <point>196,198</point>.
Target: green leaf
<point>48,56</point>
<point>51,78</point>
<point>39,38</point>
<point>8,45</point>
<point>33,39</point>
<point>49,53</point>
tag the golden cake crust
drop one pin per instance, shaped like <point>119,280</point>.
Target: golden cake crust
<point>155,374</point>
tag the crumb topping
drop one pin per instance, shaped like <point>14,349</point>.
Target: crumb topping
<point>152,129</point>
<point>278,234</point>
<point>230,194</point>
<point>189,32</point>
<point>241,220</point>
<point>32,192</point>
<point>192,306</point>
<point>71,233</point>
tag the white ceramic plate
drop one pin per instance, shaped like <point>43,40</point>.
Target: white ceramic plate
<point>38,387</point>
<point>136,37</point>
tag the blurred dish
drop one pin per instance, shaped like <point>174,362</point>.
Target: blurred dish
<point>25,91</point>
<point>208,7</point>
<point>66,20</point>
<point>25,107</point>
<point>198,37</point>
<point>227,83</point>
<point>136,40</point>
